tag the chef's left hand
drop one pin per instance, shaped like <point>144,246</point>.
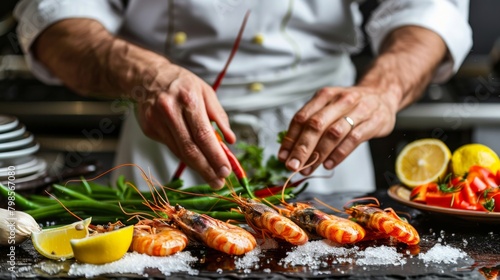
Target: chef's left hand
<point>337,119</point>
<point>322,132</point>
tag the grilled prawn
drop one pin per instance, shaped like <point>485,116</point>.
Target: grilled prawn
<point>266,220</point>
<point>216,234</point>
<point>384,221</point>
<point>331,227</point>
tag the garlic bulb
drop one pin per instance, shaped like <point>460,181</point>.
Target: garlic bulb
<point>16,226</point>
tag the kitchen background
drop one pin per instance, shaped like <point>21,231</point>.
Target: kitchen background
<point>73,131</point>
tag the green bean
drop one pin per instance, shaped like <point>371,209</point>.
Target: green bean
<point>93,190</point>
<point>87,186</point>
<point>72,193</point>
<point>120,183</point>
<point>44,200</point>
<point>19,200</point>
<point>79,205</point>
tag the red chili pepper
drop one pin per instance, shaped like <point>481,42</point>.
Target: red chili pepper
<point>235,165</point>
<point>269,191</point>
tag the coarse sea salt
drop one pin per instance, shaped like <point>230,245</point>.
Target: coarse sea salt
<point>249,260</point>
<point>136,263</point>
<point>313,254</point>
<point>442,254</point>
<point>382,255</point>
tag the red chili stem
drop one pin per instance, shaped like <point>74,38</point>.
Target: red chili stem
<point>235,165</point>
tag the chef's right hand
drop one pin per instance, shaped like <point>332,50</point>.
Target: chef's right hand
<point>177,110</point>
<point>174,106</point>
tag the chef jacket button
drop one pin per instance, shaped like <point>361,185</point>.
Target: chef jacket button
<point>258,39</point>
<point>180,38</point>
<point>256,87</point>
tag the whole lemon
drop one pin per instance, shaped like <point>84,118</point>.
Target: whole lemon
<point>474,154</point>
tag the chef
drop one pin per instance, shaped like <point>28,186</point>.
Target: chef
<point>292,72</point>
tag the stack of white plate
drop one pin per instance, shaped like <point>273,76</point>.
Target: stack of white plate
<point>17,153</point>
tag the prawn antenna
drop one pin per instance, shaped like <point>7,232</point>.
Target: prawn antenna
<point>328,206</point>
<point>377,203</point>
<point>63,206</point>
<point>137,215</point>
<point>316,157</point>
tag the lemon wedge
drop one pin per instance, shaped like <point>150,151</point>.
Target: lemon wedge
<point>474,154</point>
<point>53,243</point>
<point>423,161</point>
<point>103,247</point>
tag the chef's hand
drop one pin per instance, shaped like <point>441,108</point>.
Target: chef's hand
<point>177,111</point>
<point>174,106</point>
<point>336,120</point>
<point>332,124</point>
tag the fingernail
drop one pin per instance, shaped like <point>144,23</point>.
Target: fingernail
<point>328,164</point>
<point>224,172</point>
<point>307,171</point>
<point>216,184</point>
<point>294,164</point>
<point>283,154</point>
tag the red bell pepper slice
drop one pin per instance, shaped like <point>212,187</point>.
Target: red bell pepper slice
<point>419,193</point>
<point>484,174</point>
<point>477,185</point>
<point>453,200</point>
<point>468,194</point>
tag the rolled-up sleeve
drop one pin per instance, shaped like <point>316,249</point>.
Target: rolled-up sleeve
<point>34,16</point>
<point>447,18</point>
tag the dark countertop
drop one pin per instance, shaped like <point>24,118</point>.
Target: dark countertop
<point>481,243</point>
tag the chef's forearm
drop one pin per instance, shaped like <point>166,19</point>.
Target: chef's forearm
<point>406,64</point>
<point>91,61</point>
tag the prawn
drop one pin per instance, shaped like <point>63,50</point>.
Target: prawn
<point>216,234</point>
<point>329,226</point>
<point>268,221</point>
<point>384,221</point>
<point>156,238</point>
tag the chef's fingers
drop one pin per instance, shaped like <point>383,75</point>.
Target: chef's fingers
<point>371,119</point>
<point>348,144</point>
<point>317,102</point>
<point>330,139</point>
<point>217,114</point>
<point>196,137</point>
<point>309,124</point>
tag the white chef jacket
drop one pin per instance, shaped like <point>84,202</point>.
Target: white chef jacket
<point>289,50</point>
